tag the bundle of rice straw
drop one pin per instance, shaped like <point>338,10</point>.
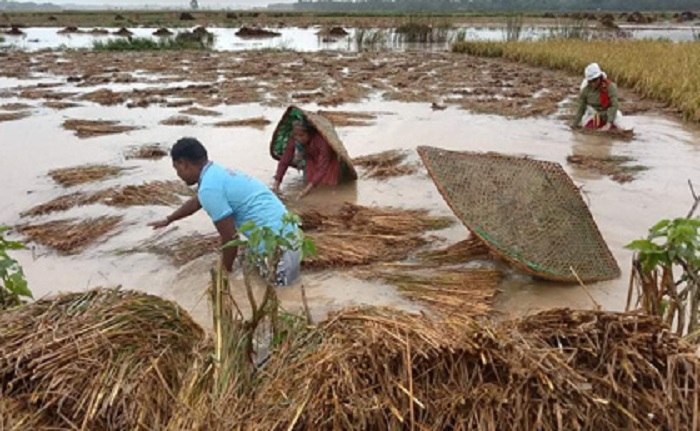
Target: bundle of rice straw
<point>62,203</point>
<point>360,235</point>
<point>150,193</point>
<point>104,359</point>
<point>341,250</point>
<point>184,249</point>
<point>167,193</point>
<point>89,128</point>
<point>386,164</point>
<point>374,220</point>
<point>460,252</point>
<point>379,368</point>
<point>466,292</point>
<point>70,235</point>
<point>68,177</point>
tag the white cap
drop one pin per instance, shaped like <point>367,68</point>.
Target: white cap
<point>593,72</point>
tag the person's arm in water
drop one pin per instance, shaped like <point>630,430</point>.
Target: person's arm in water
<point>283,165</point>
<point>580,109</point>
<point>187,209</point>
<point>611,112</point>
<point>323,164</point>
<point>227,232</point>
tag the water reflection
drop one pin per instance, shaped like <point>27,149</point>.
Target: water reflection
<point>309,39</point>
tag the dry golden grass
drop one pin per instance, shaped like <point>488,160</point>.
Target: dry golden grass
<point>68,177</point>
<point>70,236</point>
<point>661,70</point>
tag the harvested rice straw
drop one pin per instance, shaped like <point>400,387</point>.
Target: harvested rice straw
<point>90,128</point>
<point>68,177</point>
<point>341,250</point>
<point>467,292</point>
<point>70,236</point>
<point>184,249</point>
<point>147,152</point>
<point>353,372</point>
<point>104,359</point>
<point>384,221</point>
<point>259,122</point>
<point>386,164</point>
<point>151,193</point>
<point>347,118</point>
<point>62,203</point>
<point>457,253</point>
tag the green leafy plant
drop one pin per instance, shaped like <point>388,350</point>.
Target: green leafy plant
<point>666,272</point>
<point>236,350</point>
<point>13,290</point>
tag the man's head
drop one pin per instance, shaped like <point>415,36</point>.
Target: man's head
<point>189,157</point>
<point>302,132</point>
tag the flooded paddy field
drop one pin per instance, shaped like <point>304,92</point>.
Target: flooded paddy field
<point>455,102</point>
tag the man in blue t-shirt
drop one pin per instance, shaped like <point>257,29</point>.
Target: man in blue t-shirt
<point>231,198</point>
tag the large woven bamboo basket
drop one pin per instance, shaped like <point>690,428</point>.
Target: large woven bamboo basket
<point>323,125</point>
<point>527,211</point>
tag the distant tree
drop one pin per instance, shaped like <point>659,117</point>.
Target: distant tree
<point>194,4</point>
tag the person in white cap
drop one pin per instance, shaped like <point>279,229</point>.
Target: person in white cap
<point>598,106</point>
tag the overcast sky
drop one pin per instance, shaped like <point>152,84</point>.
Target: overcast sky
<point>165,3</point>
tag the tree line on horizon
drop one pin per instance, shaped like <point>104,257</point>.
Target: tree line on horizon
<point>500,5</point>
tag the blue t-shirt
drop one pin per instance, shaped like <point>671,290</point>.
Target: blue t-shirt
<point>226,192</point>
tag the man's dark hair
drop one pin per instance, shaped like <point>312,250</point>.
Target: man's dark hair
<point>189,149</point>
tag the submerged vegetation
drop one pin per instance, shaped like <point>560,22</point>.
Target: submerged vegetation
<point>195,40</point>
<point>645,66</point>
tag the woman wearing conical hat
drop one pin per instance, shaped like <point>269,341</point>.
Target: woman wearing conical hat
<point>598,105</point>
<point>308,150</point>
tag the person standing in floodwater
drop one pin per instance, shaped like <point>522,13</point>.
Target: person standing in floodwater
<point>308,149</point>
<point>598,105</point>
<point>230,198</point>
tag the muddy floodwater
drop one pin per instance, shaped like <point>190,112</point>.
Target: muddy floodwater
<point>37,143</point>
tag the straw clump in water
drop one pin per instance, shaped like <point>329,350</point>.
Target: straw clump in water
<point>184,249</point>
<point>615,167</point>
<point>258,122</point>
<point>461,252</point>
<point>466,292</point>
<point>359,235</point>
<point>104,359</point>
<point>348,118</point>
<point>147,152</point>
<point>167,193</point>
<point>391,163</point>
<point>90,128</point>
<point>70,236</point>
<point>69,177</point>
